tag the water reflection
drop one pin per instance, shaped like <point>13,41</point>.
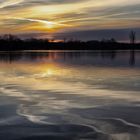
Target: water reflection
<point>58,95</point>
<point>132,57</point>
<point>100,58</point>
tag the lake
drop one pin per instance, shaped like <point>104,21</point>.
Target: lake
<point>70,95</point>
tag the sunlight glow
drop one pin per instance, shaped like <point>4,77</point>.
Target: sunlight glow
<point>49,72</point>
<point>53,16</point>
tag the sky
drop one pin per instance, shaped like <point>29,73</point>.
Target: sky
<point>70,18</point>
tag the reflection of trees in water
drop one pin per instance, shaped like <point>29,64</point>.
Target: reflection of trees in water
<point>20,56</point>
<point>10,57</point>
<point>109,54</point>
<point>132,58</point>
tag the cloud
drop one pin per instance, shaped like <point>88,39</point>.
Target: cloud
<point>53,1</point>
<point>17,4</point>
<point>7,3</point>
<point>67,15</point>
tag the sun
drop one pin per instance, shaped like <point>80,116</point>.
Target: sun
<point>50,25</point>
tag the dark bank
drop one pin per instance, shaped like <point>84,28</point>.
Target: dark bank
<point>13,43</point>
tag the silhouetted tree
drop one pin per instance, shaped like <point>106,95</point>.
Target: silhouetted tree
<point>132,37</point>
<point>10,37</point>
<point>13,43</point>
<point>112,40</point>
<point>64,40</point>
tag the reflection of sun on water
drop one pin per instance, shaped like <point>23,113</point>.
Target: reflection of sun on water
<point>48,72</point>
<point>52,70</point>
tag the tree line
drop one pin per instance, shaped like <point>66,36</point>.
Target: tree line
<point>14,43</point>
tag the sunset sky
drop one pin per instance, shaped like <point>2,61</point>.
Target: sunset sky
<point>70,17</point>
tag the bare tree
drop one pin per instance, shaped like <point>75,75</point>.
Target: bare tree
<point>10,37</point>
<point>132,37</point>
